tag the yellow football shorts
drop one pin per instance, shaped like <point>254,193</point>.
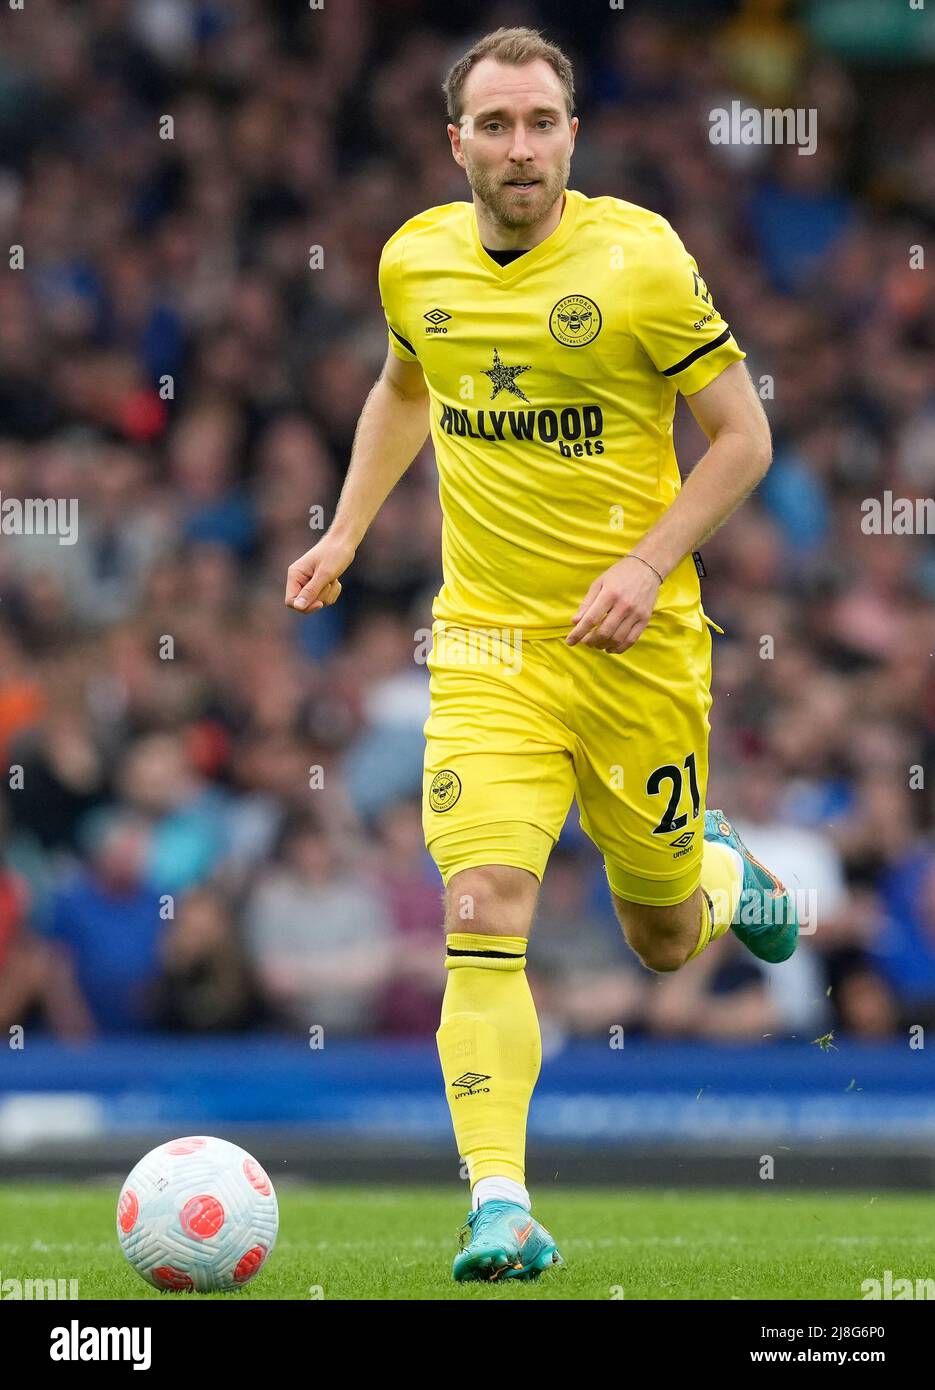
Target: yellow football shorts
<point>519,726</point>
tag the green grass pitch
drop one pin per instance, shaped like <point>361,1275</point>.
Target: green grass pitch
<point>342,1243</point>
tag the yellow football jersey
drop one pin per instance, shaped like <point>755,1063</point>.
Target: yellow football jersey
<point>552,383</point>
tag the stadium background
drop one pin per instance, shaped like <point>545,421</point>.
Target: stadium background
<point>171,729</point>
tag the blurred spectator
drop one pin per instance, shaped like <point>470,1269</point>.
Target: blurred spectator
<point>21,695</point>
<point>863,1004</point>
<point>725,998</point>
<point>203,450</point>
<point>318,936</point>
<point>808,863</point>
<point>411,888</point>
<point>205,985</point>
<point>905,949</point>
<point>187,840</point>
<point>104,935</point>
<point>385,761</point>
<point>63,772</point>
<point>582,974</point>
<point>21,960</point>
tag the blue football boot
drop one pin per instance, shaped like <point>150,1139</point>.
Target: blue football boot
<point>502,1241</point>
<point>765,918</point>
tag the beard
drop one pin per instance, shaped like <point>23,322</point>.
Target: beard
<point>513,209</point>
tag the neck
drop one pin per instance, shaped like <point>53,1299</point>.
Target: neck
<point>498,237</point>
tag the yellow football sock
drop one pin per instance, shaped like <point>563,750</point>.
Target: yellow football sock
<point>490,1051</point>
<point>721,884</point>
<point>706,935</point>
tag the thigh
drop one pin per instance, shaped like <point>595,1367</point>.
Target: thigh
<point>641,760</point>
<point>499,777</point>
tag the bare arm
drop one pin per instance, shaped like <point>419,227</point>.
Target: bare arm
<point>615,610</point>
<point>66,1008</point>
<point>392,428</point>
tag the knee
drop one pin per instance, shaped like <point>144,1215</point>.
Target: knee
<point>494,898</point>
<point>656,935</point>
<point>661,956</point>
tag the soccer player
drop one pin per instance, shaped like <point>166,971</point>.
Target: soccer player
<point>542,336</point>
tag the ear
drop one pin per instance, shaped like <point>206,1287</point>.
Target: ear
<point>454,135</point>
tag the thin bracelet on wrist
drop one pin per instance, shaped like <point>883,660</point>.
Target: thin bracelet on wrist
<point>631,556</point>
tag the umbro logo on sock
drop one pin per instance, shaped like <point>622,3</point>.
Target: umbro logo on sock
<point>472,1081</point>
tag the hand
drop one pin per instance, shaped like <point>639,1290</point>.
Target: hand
<point>617,607</point>
<point>312,582</point>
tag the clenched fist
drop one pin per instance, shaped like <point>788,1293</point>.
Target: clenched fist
<point>313,582</point>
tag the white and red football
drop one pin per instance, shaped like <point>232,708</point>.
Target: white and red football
<point>197,1214</point>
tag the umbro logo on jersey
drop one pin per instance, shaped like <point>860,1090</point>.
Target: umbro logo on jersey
<point>437,318</point>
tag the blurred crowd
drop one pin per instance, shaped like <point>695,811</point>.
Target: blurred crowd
<point>211,819</point>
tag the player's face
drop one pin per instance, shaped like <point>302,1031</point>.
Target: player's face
<point>515,140</point>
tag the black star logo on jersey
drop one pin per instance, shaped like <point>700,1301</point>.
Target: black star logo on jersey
<point>503,378</point>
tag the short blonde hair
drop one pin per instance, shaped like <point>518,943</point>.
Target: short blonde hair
<point>515,46</point>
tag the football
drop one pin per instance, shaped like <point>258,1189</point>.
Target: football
<point>197,1215</point>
